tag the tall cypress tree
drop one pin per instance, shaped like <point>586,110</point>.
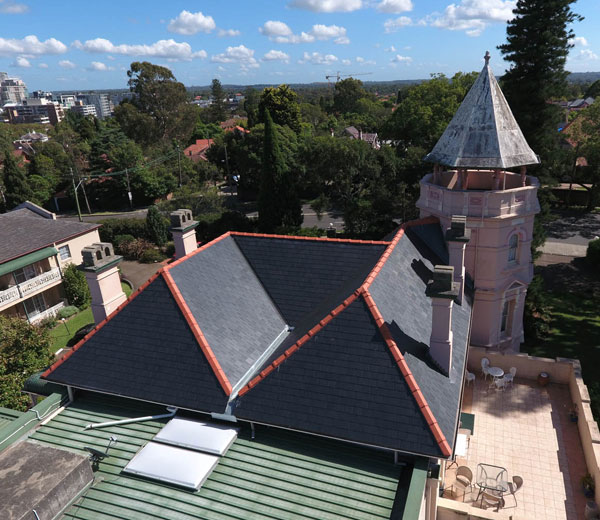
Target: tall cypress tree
<point>15,182</point>
<point>538,43</point>
<point>278,201</point>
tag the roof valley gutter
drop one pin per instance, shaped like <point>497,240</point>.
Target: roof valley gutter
<point>251,372</point>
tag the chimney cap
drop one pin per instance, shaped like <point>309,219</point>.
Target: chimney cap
<point>458,231</point>
<point>442,285</point>
<point>99,257</point>
<point>181,220</point>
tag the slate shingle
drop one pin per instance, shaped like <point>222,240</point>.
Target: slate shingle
<point>343,383</point>
<point>300,274</point>
<point>148,352</point>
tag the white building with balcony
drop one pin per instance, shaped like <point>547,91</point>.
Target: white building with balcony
<point>35,247</point>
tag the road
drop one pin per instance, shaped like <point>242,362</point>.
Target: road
<point>570,232</point>
<point>311,220</point>
<point>138,213</point>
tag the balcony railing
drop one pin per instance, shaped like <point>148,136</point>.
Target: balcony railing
<point>22,290</point>
<point>50,312</point>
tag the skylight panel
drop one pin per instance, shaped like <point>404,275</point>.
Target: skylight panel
<point>199,436</point>
<point>173,465</point>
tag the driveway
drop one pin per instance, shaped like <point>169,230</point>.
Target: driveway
<point>570,232</point>
<point>137,273</point>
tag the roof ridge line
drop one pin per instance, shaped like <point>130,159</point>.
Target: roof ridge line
<point>318,239</point>
<point>196,251</point>
<point>197,332</point>
<point>388,251</point>
<point>296,346</point>
<point>430,419</point>
<point>80,343</point>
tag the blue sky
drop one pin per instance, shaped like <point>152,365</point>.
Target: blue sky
<point>79,45</point>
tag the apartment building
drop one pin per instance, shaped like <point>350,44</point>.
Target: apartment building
<point>34,110</point>
<point>12,90</point>
<point>35,247</point>
<point>100,101</point>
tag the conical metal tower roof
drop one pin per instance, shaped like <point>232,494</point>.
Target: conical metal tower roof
<point>483,133</point>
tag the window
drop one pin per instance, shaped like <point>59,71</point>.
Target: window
<point>24,274</point>
<point>513,246</point>
<point>64,252</point>
<point>35,305</point>
<point>506,320</point>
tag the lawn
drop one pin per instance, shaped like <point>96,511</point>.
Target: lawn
<point>574,333</point>
<point>63,332</point>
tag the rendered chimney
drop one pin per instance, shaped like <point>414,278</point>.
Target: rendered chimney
<point>183,229</point>
<point>442,290</point>
<point>457,237</point>
<point>102,275</point>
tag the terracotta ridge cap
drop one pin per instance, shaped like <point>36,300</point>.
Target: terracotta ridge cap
<point>296,346</point>
<point>407,374</point>
<point>196,251</point>
<point>80,343</point>
<point>197,332</point>
<point>318,239</point>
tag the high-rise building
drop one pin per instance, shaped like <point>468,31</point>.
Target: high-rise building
<point>100,101</point>
<point>35,110</point>
<point>12,90</point>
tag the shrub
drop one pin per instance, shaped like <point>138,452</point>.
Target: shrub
<point>157,226</point>
<point>151,255</point>
<point>593,253</point>
<point>121,241</point>
<point>169,250</point>
<point>67,312</point>
<point>113,227</point>
<point>76,287</point>
<point>133,250</point>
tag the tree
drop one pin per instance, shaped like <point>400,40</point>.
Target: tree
<point>24,350</point>
<point>15,182</point>
<point>159,109</point>
<point>278,201</point>
<point>157,228</point>
<point>347,93</point>
<point>251,100</point>
<point>538,43</point>
<point>593,90</point>
<point>282,104</point>
<point>76,287</point>
<point>217,109</point>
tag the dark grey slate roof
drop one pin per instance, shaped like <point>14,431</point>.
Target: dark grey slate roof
<point>483,133</point>
<point>230,305</point>
<point>343,383</point>
<point>22,231</point>
<point>408,269</point>
<point>146,351</point>
<point>300,274</point>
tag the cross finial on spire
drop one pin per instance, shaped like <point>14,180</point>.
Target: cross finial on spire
<point>487,57</point>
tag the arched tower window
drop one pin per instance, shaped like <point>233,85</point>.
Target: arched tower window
<point>506,320</point>
<point>513,247</point>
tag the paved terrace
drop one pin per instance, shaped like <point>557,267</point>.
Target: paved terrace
<point>527,430</point>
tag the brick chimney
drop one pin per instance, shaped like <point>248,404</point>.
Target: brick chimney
<point>457,237</point>
<point>183,229</point>
<point>102,275</point>
<point>442,290</point>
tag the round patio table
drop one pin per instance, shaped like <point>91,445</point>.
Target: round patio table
<point>495,372</point>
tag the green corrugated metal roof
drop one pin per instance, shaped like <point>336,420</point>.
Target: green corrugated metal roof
<point>279,475</point>
<point>7,416</point>
<point>22,261</point>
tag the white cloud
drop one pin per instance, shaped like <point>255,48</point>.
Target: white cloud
<point>327,6</point>
<point>191,23</point>
<point>361,61</point>
<point>401,59</point>
<point>228,33</point>
<point>30,45</point>
<point>169,49</point>
<point>579,41</point>
<point>274,55</point>
<point>66,64</point>
<point>111,58</point>
<point>395,6</point>
<point>473,16</point>
<point>11,7</point>
<point>318,59</point>
<point>21,62</point>
<point>587,55</point>
<point>346,62</point>
<point>393,25</point>
<point>99,66</point>
<point>43,65</point>
<point>240,54</point>
<point>391,48</point>
<point>280,32</point>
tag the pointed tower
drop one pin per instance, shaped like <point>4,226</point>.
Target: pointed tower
<point>471,177</point>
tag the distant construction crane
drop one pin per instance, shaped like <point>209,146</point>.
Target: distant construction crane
<point>338,76</point>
